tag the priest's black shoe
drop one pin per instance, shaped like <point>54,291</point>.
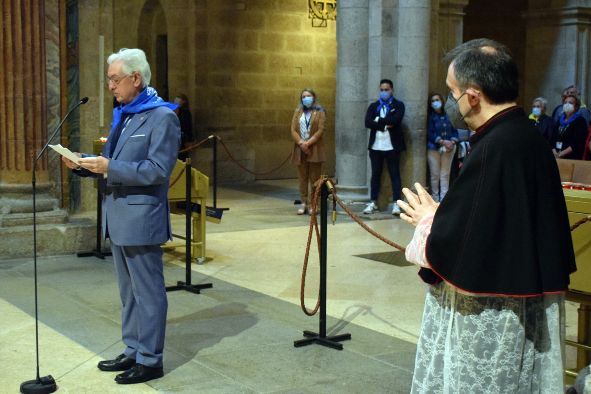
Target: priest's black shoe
<point>121,363</point>
<point>138,374</point>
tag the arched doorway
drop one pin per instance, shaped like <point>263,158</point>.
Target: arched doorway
<point>153,39</point>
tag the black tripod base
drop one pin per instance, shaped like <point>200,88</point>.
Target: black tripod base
<point>189,287</point>
<point>94,253</point>
<point>46,384</point>
<point>331,342</point>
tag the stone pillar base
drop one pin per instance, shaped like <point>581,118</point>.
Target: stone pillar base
<point>77,235</point>
<point>56,232</point>
<point>354,197</point>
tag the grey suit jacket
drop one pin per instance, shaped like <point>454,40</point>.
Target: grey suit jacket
<point>135,201</point>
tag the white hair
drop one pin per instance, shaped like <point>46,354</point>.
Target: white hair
<point>132,60</point>
<point>542,101</point>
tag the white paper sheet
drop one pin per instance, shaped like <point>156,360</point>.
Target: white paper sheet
<point>68,154</point>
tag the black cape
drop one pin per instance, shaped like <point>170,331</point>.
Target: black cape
<point>503,228</point>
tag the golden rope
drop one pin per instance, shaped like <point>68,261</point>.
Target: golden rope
<point>246,169</point>
<point>177,178</point>
<point>577,224</point>
<point>314,226</point>
<point>195,146</point>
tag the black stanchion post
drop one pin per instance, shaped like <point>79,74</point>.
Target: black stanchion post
<point>188,222</point>
<point>98,251</point>
<point>320,338</point>
<point>215,172</point>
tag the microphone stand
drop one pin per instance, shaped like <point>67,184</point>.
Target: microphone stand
<point>45,384</point>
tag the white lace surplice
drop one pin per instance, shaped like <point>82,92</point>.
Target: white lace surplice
<point>483,344</point>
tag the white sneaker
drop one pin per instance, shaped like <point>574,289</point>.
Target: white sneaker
<point>370,208</point>
<point>395,209</point>
<point>302,210</point>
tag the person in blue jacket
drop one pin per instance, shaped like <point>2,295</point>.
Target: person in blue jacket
<point>134,169</point>
<point>441,146</point>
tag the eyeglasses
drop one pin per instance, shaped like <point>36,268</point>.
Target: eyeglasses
<point>116,79</point>
<point>451,97</point>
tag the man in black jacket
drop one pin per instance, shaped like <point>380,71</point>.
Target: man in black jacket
<point>383,119</point>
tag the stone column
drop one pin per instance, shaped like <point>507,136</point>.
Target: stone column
<point>30,92</point>
<point>383,45</point>
<point>446,33</point>
<point>412,82</point>
<point>383,42</point>
<point>351,98</point>
<point>558,50</point>
<point>23,111</point>
<point>23,123</point>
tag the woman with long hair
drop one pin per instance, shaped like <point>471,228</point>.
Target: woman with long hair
<point>441,146</point>
<point>307,127</point>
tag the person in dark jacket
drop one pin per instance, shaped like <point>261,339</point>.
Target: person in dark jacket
<point>570,133</point>
<point>383,119</point>
<point>186,120</point>
<point>583,111</point>
<point>538,116</point>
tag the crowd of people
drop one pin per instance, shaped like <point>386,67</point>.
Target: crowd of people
<point>567,132</point>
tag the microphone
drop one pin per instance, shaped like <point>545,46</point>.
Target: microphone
<point>45,384</point>
<point>84,100</point>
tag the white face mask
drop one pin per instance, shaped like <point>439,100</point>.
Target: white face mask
<point>568,108</point>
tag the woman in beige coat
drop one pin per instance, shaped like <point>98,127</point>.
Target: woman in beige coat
<point>307,127</point>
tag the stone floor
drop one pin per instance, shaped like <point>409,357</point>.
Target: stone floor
<point>238,336</point>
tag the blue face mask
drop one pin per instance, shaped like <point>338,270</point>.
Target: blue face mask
<point>436,105</point>
<point>307,101</point>
<point>536,111</point>
<point>385,95</point>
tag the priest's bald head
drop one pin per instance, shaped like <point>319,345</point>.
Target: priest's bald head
<point>483,80</point>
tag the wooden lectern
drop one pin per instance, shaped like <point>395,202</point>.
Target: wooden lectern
<point>199,193</point>
<point>578,204</point>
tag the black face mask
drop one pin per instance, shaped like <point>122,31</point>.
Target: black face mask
<point>452,109</point>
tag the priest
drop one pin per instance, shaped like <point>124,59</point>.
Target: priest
<point>497,252</point>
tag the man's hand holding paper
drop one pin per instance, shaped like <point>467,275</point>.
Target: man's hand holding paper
<point>96,164</point>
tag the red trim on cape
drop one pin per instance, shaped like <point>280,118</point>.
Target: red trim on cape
<point>488,294</point>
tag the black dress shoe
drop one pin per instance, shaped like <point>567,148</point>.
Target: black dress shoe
<point>138,374</point>
<point>121,363</point>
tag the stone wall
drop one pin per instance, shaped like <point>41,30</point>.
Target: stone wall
<point>241,63</point>
<point>260,55</point>
<point>501,20</point>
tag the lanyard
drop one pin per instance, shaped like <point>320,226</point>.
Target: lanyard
<point>308,120</point>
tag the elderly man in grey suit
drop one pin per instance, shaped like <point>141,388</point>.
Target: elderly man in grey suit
<point>135,165</point>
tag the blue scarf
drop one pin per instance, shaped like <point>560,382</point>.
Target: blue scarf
<point>564,123</point>
<point>385,104</point>
<point>147,99</point>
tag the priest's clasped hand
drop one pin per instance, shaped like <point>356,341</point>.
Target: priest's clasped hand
<point>419,205</point>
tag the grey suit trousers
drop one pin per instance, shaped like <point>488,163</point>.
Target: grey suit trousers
<point>143,296</point>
